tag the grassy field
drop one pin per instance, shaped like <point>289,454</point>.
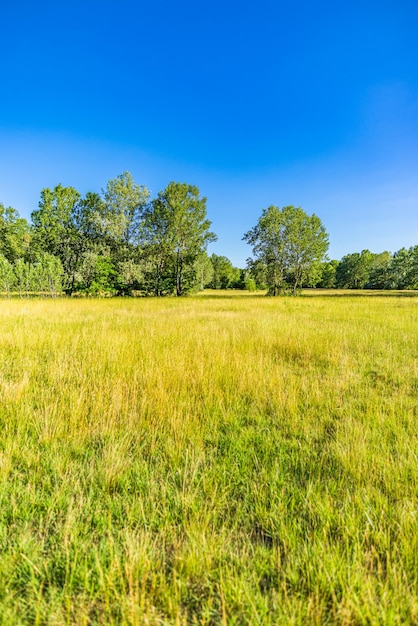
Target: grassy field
<point>218,459</point>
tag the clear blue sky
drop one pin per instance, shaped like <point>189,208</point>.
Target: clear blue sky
<point>307,103</point>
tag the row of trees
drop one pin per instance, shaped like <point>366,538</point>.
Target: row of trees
<point>366,270</point>
<point>115,242</point>
<point>290,247</point>
<point>121,241</point>
<point>45,276</point>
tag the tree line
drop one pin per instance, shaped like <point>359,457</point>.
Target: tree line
<point>122,241</point>
<point>116,242</point>
<point>367,270</point>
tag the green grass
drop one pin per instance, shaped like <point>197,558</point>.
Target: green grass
<point>228,459</point>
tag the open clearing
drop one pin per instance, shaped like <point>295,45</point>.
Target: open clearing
<point>218,459</point>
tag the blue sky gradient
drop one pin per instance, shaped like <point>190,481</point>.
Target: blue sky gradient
<point>311,104</point>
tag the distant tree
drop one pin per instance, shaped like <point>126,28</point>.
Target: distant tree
<point>400,269</point>
<point>52,222</point>
<point>240,279</point>
<point>96,274</point>
<point>354,270</point>
<point>55,230</point>
<point>413,272</point>
<point>328,274</point>
<point>23,274</point>
<point>312,277</point>
<point>74,228</point>
<point>204,270</point>
<point>257,269</point>
<point>7,276</point>
<point>120,215</point>
<point>129,276</point>
<point>103,276</point>
<point>249,282</point>
<point>403,268</point>
<point>89,215</point>
<point>175,231</point>
<point>379,273</point>
<point>157,252</point>
<point>46,275</point>
<point>268,241</point>
<point>225,275</point>
<point>411,275</point>
<point>14,234</point>
<point>288,242</point>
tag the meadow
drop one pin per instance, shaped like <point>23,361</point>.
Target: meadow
<point>215,459</point>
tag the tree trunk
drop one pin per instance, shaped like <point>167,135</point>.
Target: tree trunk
<point>179,275</point>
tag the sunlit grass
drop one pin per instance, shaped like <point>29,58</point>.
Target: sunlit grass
<point>226,458</point>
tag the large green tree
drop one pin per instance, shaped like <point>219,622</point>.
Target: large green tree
<point>289,243</point>
<point>56,232</point>
<point>52,222</point>
<point>175,232</point>
<point>122,209</point>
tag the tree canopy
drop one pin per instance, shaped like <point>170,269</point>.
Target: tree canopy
<point>177,230</point>
<point>289,243</point>
<point>122,241</point>
<point>14,234</point>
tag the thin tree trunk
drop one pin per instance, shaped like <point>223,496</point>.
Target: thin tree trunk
<point>179,272</point>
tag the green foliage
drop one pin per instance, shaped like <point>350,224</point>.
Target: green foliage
<point>268,245</point>
<point>96,275</point>
<point>289,243</point>
<point>175,231</point>
<point>14,234</point>
<point>89,217</point>
<point>52,223</point>
<point>24,277</point>
<point>103,273</point>
<point>380,273</point>
<point>92,236</point>
<point>258,271</point>
<point>123,203</point>
<point>47,275</point>
<point>328,271</point>
<point>249,282</point>
<point>120,242</point>
<point>43,275</point>
<point>400,268</point>
<point>55,230</point>
<point>129,277</point>
<point>403,268</point>
<point>413,273</point>
<point>225,275</point>
<point>7,275</point>
<point>354,270</point>
<point>203,269</point>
